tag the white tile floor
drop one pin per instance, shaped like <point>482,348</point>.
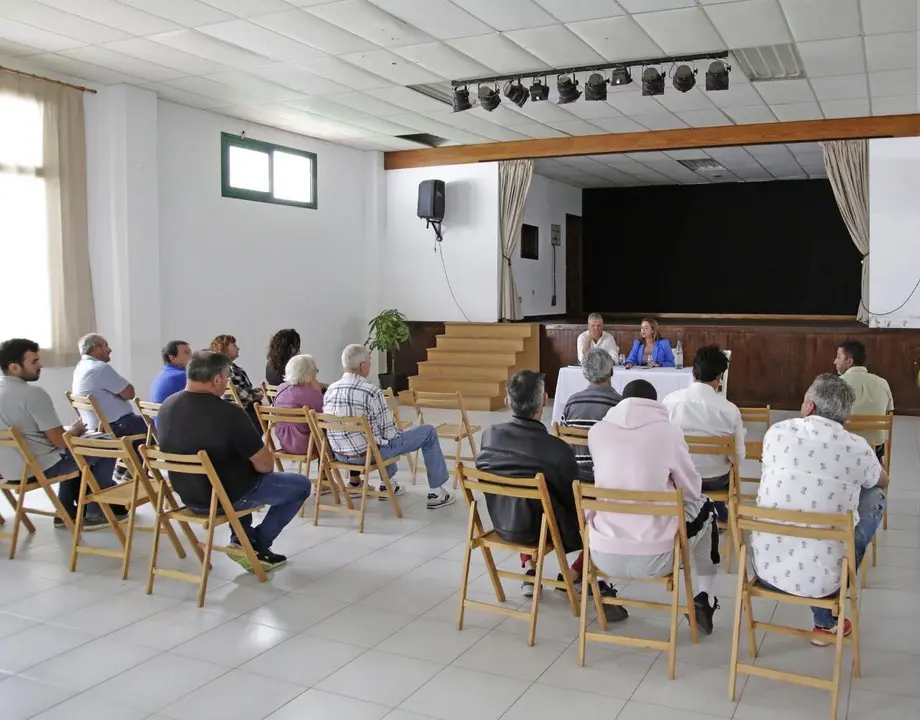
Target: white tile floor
<point>363,627</point>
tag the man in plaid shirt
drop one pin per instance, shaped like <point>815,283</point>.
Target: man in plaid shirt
<point>353,396</point>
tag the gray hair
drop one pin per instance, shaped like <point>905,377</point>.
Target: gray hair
<point>353,356</point>
<point>525,393</point>
<point>832,396</point>
<point>300,370</point>
<point>597,366</point>
<point>595,316</point>
<point>206,365</point>
<point>92,340</point>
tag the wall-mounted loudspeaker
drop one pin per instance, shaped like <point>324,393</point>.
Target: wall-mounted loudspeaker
<point>431,200</point>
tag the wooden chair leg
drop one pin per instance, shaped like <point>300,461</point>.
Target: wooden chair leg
<point>129,540</point>
<point>884,520</point>
<point>854,636</point>
<point>320,476</point>
<point>538,584</point>
<point>245,544</point>
<point>839,639</point>
<point>18,515</point>
<point>675,612</point>
<point>467,554</point>
<point>155,547</point>
<point>586,574</point>
<point>688,589</point>
<point>58,507</point>
<point>736,627</point>
<point>78,527</point>
<point>11,499</point>
<point>206,562</point>
<point>457,461</point>
<point>363,510</point>
<point>567,579</point>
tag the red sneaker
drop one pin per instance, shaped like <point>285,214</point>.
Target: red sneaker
<point>831,634</point>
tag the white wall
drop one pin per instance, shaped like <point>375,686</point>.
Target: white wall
<point>894,232</point>
<point>548,202</point>
<point>411,276</point>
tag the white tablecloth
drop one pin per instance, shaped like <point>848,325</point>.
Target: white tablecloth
<point>665,380</point>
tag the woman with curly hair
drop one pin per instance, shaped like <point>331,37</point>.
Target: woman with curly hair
<point>249,396</point>
<point>284,345</point>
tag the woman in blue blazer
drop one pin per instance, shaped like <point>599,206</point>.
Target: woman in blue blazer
<point>650,349</point>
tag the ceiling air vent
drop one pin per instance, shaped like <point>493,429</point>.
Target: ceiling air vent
<point>770,62</point>
<point>442,92</point>
<point>703,166</point>
<point>425,139</point>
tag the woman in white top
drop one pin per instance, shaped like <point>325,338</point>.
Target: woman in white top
<point>595,337</point>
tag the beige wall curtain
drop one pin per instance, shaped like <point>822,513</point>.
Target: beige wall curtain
<point>64,171</point>
<point>847,164</point>
<point>514,178</point>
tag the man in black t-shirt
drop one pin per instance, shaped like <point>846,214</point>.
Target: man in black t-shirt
<point>198,419</point>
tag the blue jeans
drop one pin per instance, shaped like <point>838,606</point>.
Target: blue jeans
<point>69,490</point>
<point>871,509</point>
<point>284,493</point>
<point>130,424</point>
<point>424,438</point>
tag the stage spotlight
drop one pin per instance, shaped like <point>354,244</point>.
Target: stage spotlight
<point>539,91</point>
<point>596,87</point>
<point>516,92</point>
<point>489,98</point>
<point>568,90</point>
<point>652,82</point>
<point>620,77</point>
<point>717,76</point>
<point>462,99</point>
<point>684,78</point>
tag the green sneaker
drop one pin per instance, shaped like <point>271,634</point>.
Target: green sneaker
<point>239,557</point>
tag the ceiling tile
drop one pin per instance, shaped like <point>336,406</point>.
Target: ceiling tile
<point>635,7</point>
<point>696,154</point>
<point>11,49</point>
<point>407,98</point>
<point>297,77</point>
<point>704,118</point>
<point>591,110</point>
<point>62,23</point>
<point>481,126</point>
<point>633,102</point>
<point>327,108</point>
<point>737,95</point>
<point>824,58</point>
<point>498,53</point>
<point>555,45</point>
<point>577,127</point>
<point>183,97</point>
<point>160,54</point>
<point>380,125</point>
<point>660,121</point>
<point>249,8</point>
<point>750,23</point>
<point>392,67</point>
<point>259,40</point>
<point>846,108</point>
<point>258,87</point>
<point>370,22</point>
<point>618,125</point>
<point>891,52</point>
<point>798,111</point>
<point>441,19</point>
<point>888,16</point>
<point>104,57</point>
<point>116,14</point>
<point>679,32</point>
<point>751,115</point>
<point>79,69</point>
<point>443,60</point>
<point>507,14</point>
<point>567,11</point>
<point>366,104</point>
<point>346,74</point>
<point>776,92</point>
<point>545,112</point>
<point>893,83</point>
<point>505,115</point>
<point>213,89</point>
<point>35,37</point>
<point>314,31</point>
<point>822,19</point>
<point>695,99</point>
<point>190,13</point>
<point>196,43</point>
<point>894,105</point>
<point>617,38</point>
<point>841,87</point>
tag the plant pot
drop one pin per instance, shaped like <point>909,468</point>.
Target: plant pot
<point>395,381</point>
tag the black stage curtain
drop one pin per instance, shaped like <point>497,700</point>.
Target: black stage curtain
<point>756,248</point>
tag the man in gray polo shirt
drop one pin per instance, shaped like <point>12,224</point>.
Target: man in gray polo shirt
<point>29,408</point>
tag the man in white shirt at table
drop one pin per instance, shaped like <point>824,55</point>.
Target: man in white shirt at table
<point>596,337</point>
<point>701,410</point>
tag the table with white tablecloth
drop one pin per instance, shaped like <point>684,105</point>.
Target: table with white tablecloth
<point>666,380</point>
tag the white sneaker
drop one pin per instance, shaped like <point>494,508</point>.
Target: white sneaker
<point>397,490</point>
<point>439,500</point>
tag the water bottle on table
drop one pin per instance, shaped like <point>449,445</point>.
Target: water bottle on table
<point>679,356</point>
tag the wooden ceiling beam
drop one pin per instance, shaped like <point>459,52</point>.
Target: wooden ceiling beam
<point>760,134</point>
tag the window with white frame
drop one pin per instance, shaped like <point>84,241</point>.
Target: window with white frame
<point>265,172</point>
<point>23,222</point>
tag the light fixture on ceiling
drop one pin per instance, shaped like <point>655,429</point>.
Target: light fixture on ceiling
<point>717,76</point>
<point>462,99</point>
<point>620,76</point>
<point>652,82</point>
<point>489,98</point>
<point>684,78</point>
<point>596,87</point>
<point>539,91</point>
<point>568,90</point>
<point>516,92</point>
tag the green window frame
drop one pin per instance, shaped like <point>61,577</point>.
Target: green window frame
<point>228,141</point>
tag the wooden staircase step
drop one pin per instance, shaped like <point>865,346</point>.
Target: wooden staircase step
<point>499,331</point>
<point>467,387</point>
<point>471,402</point>
<point>441,356</point>
<point>499,373</point>
<point>483,345</point>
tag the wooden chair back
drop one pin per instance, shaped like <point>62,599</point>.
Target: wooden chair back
<point>393,402</point>
<point>722,446</point>
<point>455,432</point>
<point>756,415</point>
<point>269,392</point>
<point>233,395</point>
<point>572,435</point>
<point>269,417</point>
<point>861,423</point>
<point>149,412</point>
<point>87,403</point>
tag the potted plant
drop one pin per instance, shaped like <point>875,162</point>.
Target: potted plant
<point>387,332</point>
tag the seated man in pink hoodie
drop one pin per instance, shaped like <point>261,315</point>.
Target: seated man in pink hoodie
<point>636,447</point>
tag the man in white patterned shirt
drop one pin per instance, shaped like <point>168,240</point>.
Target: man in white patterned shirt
<point>813,464</point>
<point>353,396</point>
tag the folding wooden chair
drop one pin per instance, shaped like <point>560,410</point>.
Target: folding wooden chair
<point>753,450</point>
<point>149,412</point>
<point>589,498</point>
<point>330,467</point>
<point>269,417</point>
<point>87,403</point>
<point>756,415</point>
<point>233,395</point>
<point>801,525</point>
<point>393,402</point>
<point>33,478</point>
<point>221,512</point>
<point>131,494</point>
<point>269,392</point>
<point>455,432</point>
<point>723,446</point>
<point>534,489</point>
<point>572,435</point>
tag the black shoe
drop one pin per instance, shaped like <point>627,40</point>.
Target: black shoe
<point>704,611</point>
<point>613,613</point>
<point>93,521</point>
<point>59,523</point>
<point>271,560</point>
